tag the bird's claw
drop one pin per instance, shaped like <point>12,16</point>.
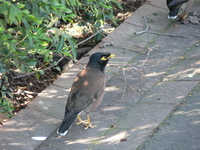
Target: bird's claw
<point>82,122</point>
<point>87,122</point>
<point>89,125</point>
<point>182,16</point>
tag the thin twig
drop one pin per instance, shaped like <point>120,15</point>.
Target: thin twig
<point>158,86</point>
<point>48,68</point>
<point>173,82</point>
<point>89,37</point>
<point>129,86</point>
<point>147,29</point>
<point>22,40</point>
<point>24,75</point>
<point>166,34</point>
<point>187,80</point>
<point>169,96</point>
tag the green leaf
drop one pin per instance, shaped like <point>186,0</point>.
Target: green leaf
<point>9,94</point>
<point>41,71</point>
<point>26,12</point>
<point>19,5</point>
<point>57,68</point>
<point>11,30</point>
<point>14,14</point>
<point>23,68</point>
<point>6,78</point>
<point>24,58</point>
<point>31,62</point>
<point>1,29</point>
<point>55,63</point>
<point>15,63</point>
<point>72,43</point>
<point>2,70</point>
<point>68,10</point>
<point>98,37</point>
<point>61,44</point>
<point>3,88</point>
<point>71,15</point>
<point>3,94</point>
<point>37,75</point>
<point>5,8</point>
<point>46,57</point>
<point>26,24</point>
<point>105,6</point>
<point>116,2</point>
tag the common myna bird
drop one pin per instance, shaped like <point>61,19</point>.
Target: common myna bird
<point>86,92</point>
<point>174,7</point>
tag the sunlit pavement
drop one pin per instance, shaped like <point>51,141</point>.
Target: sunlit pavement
<point>149,77</point>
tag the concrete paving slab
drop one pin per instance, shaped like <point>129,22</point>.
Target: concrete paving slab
<point>128,39</point>
<point>156,17</point>
<point>169,92</point>
<point>158,3</point>
<point>121,138</point>
<point>189,39</point>
<point>180,130</point>
<point>194,53</point>
<point>186,69</point>
<point>51,101</point>
<point>66,79</point>
<point>146,116</point>
<point>133,131</point>
<point>26,130</point>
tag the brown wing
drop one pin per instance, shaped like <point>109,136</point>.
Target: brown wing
<point>88,86</point>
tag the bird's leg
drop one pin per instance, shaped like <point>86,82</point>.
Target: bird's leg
<point>89,124</point>
<point>183,15</point>
<point>187,8</point>
<point>80,121</point>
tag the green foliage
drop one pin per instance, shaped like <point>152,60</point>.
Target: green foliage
<point>6,107</point>
<point>95,11</point>
<point>24,27</point>
<point>5,104</point>
<point>29,29</point>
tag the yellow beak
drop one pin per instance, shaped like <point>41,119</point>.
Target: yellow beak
<point>104,58</point>
<point>112,55</point>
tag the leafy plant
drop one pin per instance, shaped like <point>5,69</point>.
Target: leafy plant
<point>5,104</point>
<point>29,30</point>
<point>24,33</point>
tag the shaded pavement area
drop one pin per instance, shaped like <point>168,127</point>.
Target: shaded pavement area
<point>152,74</point>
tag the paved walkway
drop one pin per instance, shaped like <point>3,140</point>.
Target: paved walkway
<point>143,87</point>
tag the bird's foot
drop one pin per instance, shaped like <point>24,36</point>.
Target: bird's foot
<point>80,121</point>
<point>182,16</point>
<point>87,122</point>
<point>89,125</point>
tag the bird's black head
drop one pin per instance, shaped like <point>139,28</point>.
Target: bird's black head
<point>99,60</point>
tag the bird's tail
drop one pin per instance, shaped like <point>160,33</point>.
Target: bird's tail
<point>67,122</point>
<point>176,2</point>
